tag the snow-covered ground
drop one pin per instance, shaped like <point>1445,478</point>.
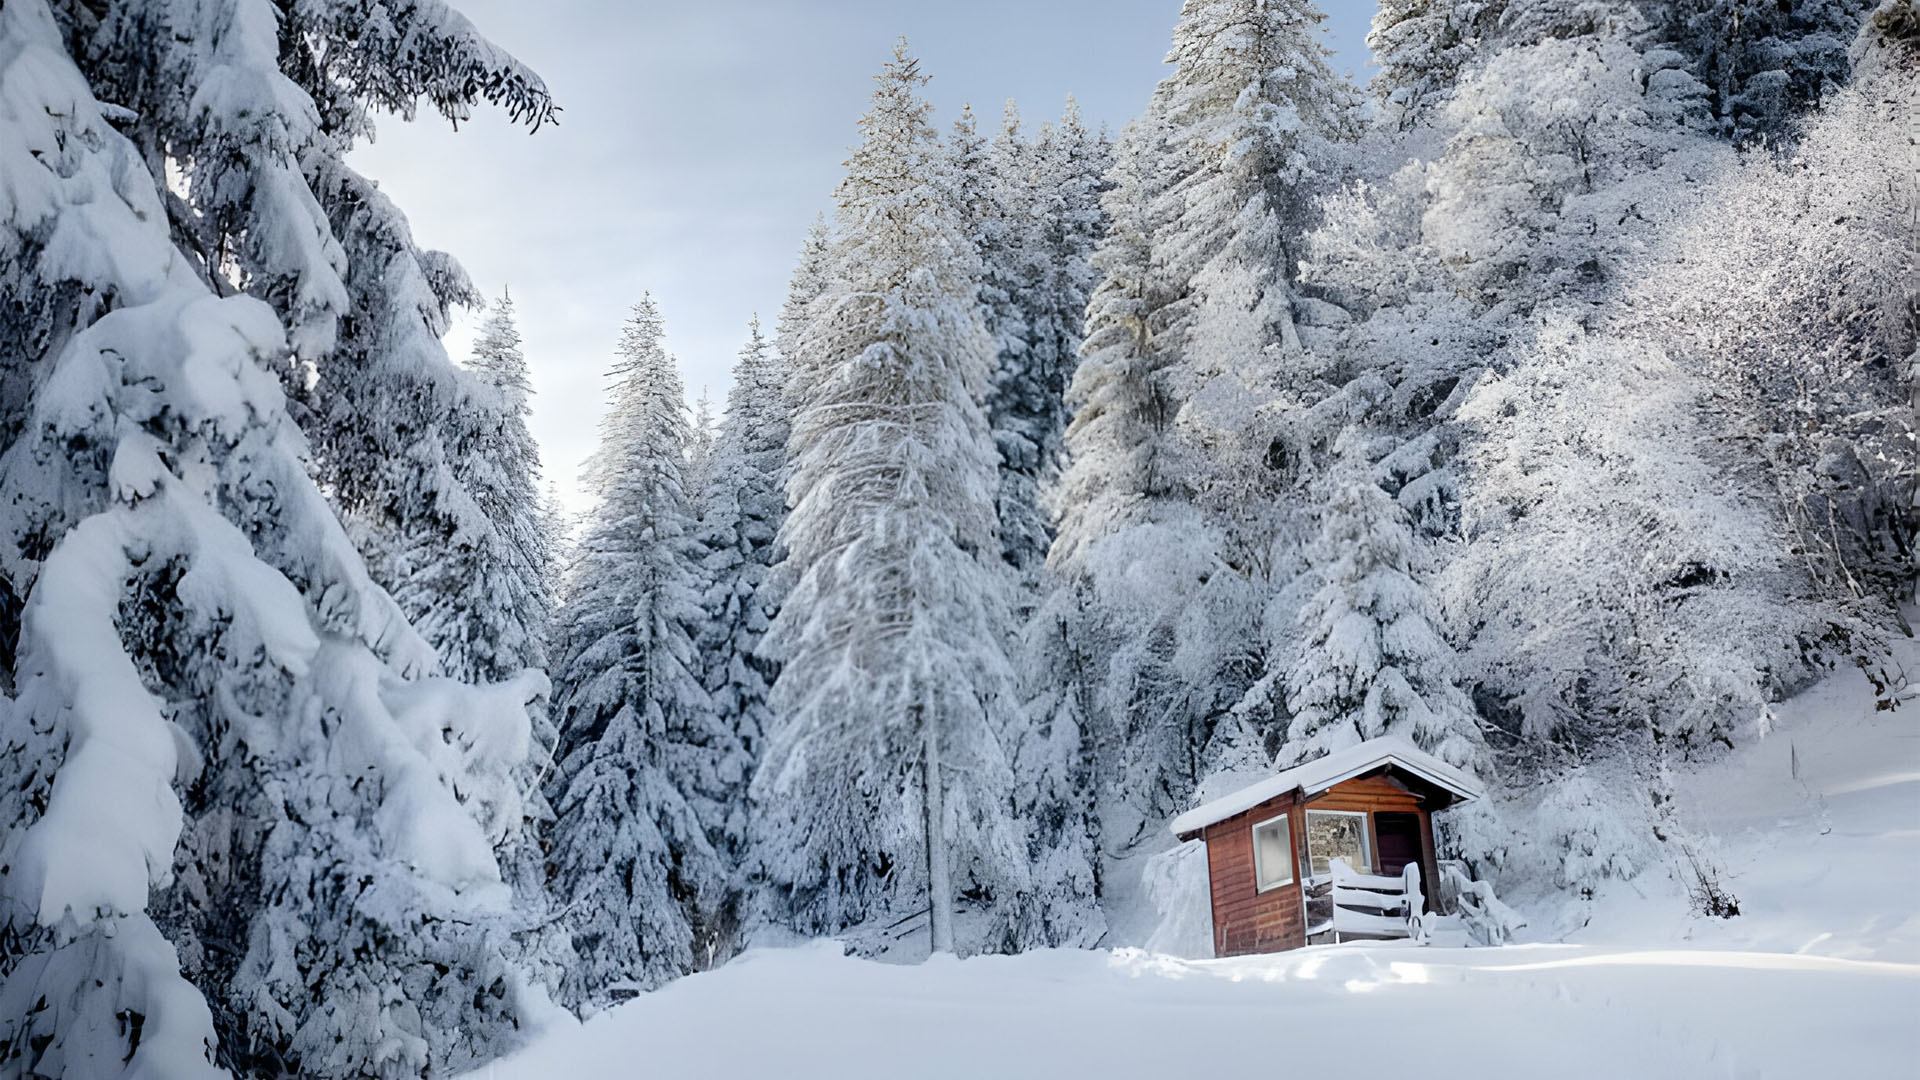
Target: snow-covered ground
<point>1814,829</point>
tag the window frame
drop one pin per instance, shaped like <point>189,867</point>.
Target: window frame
<point>1366,839</point>
<point>1258,866</point>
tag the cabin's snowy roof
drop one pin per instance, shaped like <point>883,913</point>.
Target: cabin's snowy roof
<point>1323,773</point>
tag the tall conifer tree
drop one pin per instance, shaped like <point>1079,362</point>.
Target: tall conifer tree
<point>243,827</point>
<point>886,784</point>
<point>744,507</point>
<point>1178,511</point>
<point>646,768</point>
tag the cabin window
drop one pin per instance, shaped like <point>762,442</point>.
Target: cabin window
<point>1338,834</point>
<point>1272,853</point>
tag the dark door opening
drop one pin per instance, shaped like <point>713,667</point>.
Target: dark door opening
<point>1397,836</point>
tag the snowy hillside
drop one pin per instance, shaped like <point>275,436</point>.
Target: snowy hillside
<point>1821,969</point>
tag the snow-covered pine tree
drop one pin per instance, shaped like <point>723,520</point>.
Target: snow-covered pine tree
<point>1254,121</point>
<point>242,830</point>
<point>647,770</point>
<point>484,600</point>
<point>1050,202</point>
<point>745,504</point>
<point>1420,47</point>
<point>808,282</point>
<point>700,439</point>
<point>1764,62</point>
<point>1176,508</point>
<point>1374,658</point>
<point>1120,404</point>
<point>885,785</point>
<point>1054,759</point>
<point>1057,763</point>
<point>993,195</point>
<point>269,205</point>
<point>487,606</point>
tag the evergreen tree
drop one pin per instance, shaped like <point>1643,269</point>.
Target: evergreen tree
<point>243,828</point>
<point>1765,62</point>
<point>647,768</point>
<point>886,780</point>
<point>1054,759</point>
<point>484,599</point>
<point>809,281</point>
<point>1374,659</point>
<point>1178,515</point>
<point>1420,47</point>
<point>700,441</point>
<point>1254,119</point>
<point>1121,406</point>
<point>745,505</point>
<point>1058,765</point>
<point>487,604</point>
<point>1051,198</point>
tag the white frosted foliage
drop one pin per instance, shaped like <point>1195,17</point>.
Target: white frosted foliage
<point>648,770</point>
<point>226,777</point>
<point>892,634</point>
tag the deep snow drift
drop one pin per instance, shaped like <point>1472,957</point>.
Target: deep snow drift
<point>1816,829</point>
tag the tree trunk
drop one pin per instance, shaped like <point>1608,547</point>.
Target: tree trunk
<point>939,878</point>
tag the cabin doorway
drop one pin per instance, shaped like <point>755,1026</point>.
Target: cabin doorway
<point>1397,838</point>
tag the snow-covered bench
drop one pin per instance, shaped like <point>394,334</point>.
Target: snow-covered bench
<point>1371,905</point>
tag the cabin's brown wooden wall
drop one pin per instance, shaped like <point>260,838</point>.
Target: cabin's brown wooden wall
<point>1246,920</point>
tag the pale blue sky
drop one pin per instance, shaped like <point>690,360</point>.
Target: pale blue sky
<point>698,141</point>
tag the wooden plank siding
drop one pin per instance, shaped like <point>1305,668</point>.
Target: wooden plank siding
<point>1246,920</point>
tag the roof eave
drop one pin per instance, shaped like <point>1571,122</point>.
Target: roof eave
<point>1461,792</point>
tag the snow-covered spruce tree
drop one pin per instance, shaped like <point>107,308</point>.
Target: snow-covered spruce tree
<point>1373,658</point>
<point>1420,46</point>
<point>1054,761</point>
<point>1121,408</point>
<point>242,831</point>
<point>1121,507</point>
<point>1254,122</point>
<point>1175,509</point>
<point>484,599</point>
<point>885,785</point>
<point>1764,62</point>
<point>487,600</point>
<point>1050,199</point>
<point>745,504</point>
<point>256,108</point>
<point>700,439</point>
<point>1253,126</point>
<point>993,195</point>
<point>808,282</point>
<point>1057,762</point>
<point>647,770</point>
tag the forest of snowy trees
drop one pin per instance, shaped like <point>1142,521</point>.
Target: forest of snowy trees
<point>1549,402</point>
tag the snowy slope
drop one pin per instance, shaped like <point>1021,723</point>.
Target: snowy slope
<point>1821,970</point>
<point>1470,1013</point>
<point>1815,829</point>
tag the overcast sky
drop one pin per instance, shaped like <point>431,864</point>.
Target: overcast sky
<point>697,142</point>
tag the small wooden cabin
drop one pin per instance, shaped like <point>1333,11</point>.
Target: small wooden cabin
<point>1341,847</point>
